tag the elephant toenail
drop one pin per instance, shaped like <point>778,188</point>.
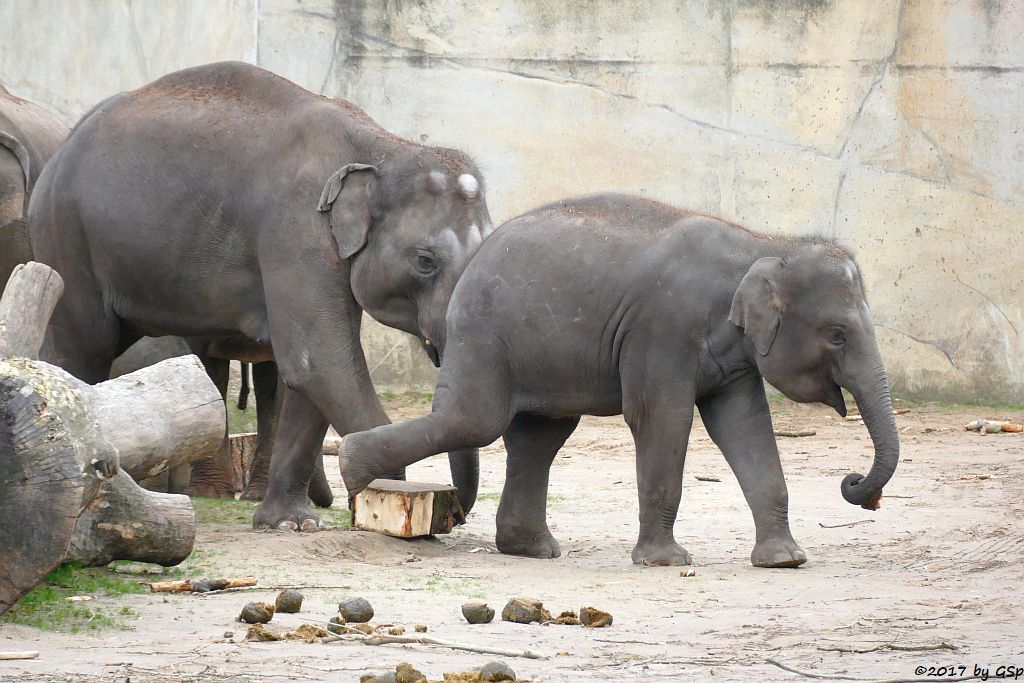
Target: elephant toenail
<point>310,525</point>
<point>287,525</point>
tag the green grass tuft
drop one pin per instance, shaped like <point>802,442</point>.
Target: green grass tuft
<point>238,513</point>
<point>46,607</point>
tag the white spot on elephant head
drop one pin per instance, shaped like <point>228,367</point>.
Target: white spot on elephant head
<point>469,186</point>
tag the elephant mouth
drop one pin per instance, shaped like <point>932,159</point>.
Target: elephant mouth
<point>432,353</point>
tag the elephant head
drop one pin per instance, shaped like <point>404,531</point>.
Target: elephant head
<point>810,332</point>
<point>409,227</point>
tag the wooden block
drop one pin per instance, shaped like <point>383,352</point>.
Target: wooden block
<point>407,509</point>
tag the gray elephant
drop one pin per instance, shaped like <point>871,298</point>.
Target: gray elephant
<point>226,204</point>
<point>29,136</point>
<point>615,304</point>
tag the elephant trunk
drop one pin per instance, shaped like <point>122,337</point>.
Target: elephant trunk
<point>465,467</point>
<point>871,390</point>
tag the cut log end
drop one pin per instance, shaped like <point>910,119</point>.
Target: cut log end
<point>126,522</point>
<point>407,509</point>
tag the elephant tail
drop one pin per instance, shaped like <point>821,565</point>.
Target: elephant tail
<point>243,391</point>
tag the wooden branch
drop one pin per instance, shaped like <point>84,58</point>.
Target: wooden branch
<point>126,522</point>
<point>28,654</point>
<point>380,639</point>
<point>795,433</point>
<point>25,309</point>
<point>188,585</point>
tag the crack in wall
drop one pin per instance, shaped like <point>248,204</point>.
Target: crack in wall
<point>926,342</point>
<point>989,299</point>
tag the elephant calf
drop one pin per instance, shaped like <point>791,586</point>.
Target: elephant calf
<point>618,305</point>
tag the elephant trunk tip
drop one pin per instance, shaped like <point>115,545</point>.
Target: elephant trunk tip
<point>854,494</point>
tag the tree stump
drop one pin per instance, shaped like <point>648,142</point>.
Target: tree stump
<point>407,509</point>
<point>67,450</point>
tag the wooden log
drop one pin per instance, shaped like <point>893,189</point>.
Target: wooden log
<point>126,522</point>
<point>26,654</point>
<point>407,509</point>
<point>62,441</point>
<point>25,309</point>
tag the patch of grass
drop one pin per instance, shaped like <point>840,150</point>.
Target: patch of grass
<point>241,421</point>
<point>496,496</point>
<point>408,397</point>
<point>47,608</point>
<point>230,512</point>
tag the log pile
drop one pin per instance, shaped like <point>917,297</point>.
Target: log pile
<point>70,452</point>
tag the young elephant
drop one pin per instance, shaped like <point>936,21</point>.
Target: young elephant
<point>615,304</point>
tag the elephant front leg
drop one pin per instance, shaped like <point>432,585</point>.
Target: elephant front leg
<point>297,445</point>
<point>531,442</point>
<point>661,428</point>
<point>739,422</point>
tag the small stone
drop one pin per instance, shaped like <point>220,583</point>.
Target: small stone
<point>356,610</point>
<point>257,613</point>
<point>288,601</point>
<point>386,677</point>
<point>477,612</point>
<point>421,628</point>
<point>406,673</point>
<point>228,635</point>
<point>594,618</point>
<point>497,671</point>
<point>336,624</point>
<point>396,631</point>
<point>524,611</point>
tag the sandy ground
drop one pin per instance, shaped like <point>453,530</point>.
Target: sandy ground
<point>938,565</point>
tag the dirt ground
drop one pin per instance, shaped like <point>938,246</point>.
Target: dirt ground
<point>939,566</point>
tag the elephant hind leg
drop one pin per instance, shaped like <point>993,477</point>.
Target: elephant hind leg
<point>531,442</point>
<point>214,477</point>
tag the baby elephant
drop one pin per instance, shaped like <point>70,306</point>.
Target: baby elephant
<point>614,304</point>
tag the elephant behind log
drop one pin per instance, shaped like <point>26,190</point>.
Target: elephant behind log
<point>223,203</point>
<point>29,136</point>
<point>619,305</point>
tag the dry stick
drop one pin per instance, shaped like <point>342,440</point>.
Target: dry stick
<point>892,646</point>
<point>837,526</point>
<point>795,433</point>
<point>836,677</point>
<point>380,639</point>
<point>29,654</point>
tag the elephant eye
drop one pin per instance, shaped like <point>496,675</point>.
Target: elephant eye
<point>425,264</point>
<point>835,335</point>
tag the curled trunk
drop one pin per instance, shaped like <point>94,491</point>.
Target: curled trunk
<point>872,394</point>
<point>465,468</point>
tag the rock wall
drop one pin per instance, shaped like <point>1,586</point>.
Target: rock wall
<point>893,126</point>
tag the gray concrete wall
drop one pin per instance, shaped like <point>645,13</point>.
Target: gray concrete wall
<point>892,125</point>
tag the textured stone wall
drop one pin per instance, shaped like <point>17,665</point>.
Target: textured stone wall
<point>891,125</point>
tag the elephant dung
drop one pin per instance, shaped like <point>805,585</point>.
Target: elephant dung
<point>407,509</point>
<point>257,613</point>
<point>477,612</point>
<point>525,611</point>
<point>592,617</point>
<point>260,633</point>
<point>406,673</point>
<point>356,610</point>
<point>288,601</point>
<point>386,677</point>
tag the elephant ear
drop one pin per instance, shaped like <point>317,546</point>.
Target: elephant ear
<point>348,196</point>
<point>756,306</point>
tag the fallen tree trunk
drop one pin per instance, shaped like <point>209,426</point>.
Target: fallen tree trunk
<point>67,450</point>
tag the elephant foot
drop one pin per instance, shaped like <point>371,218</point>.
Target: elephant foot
<point>777,552</point>
<point>541,545</point>
<point>357,470</point>
<point>255,490</point>
<point>661,554</point>
<point>285,517</point>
